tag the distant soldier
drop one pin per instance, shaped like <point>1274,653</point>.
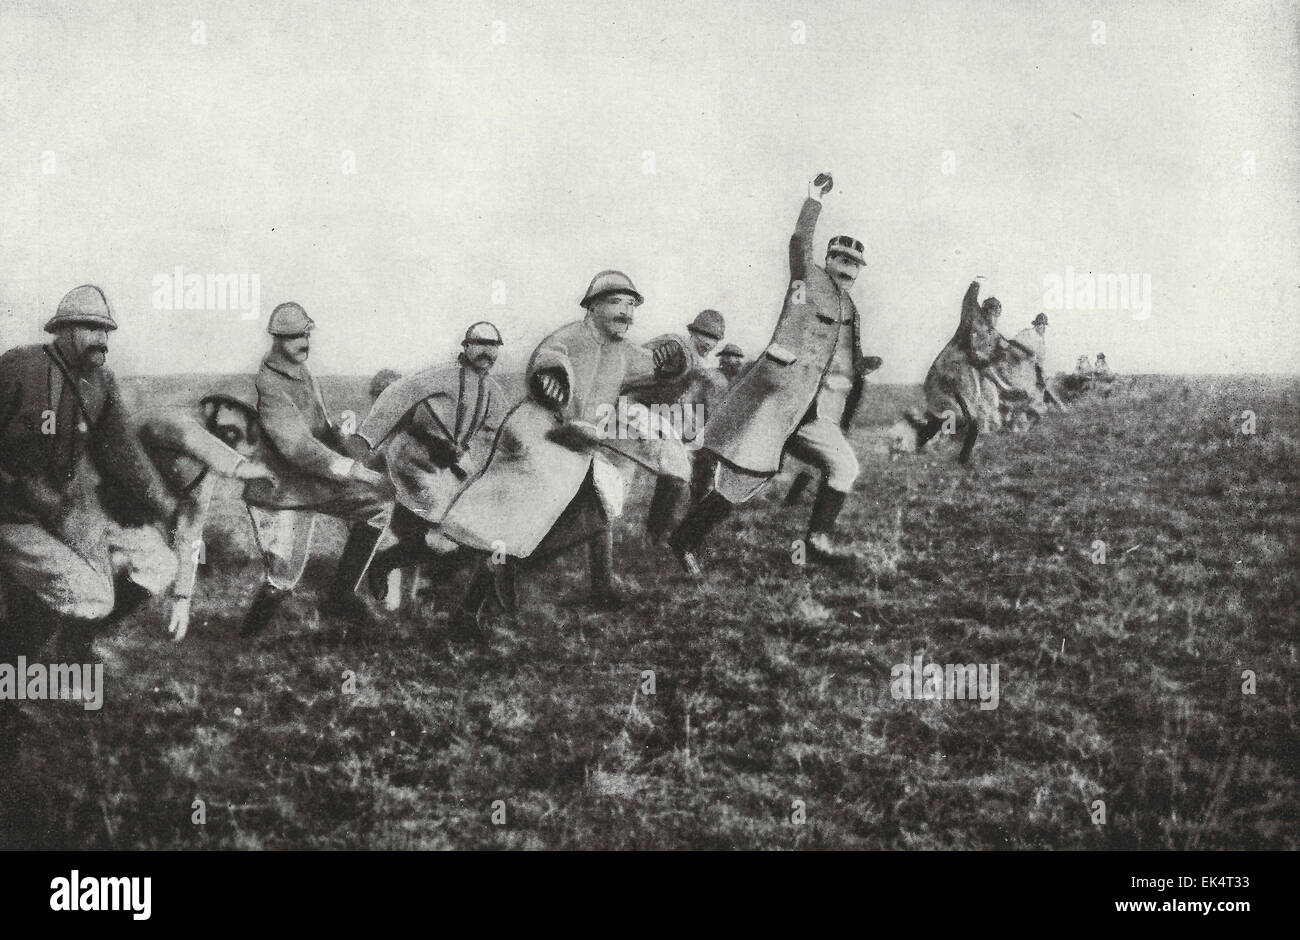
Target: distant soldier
<point>1083,367</point>
<point>695,394</point>
<point>1034,338</point>
<point>380,382</point>
<point>1102,369</point>
<point>954,385</point>
<point>793,399</point>
<point>192,446</point>
<point>731,361</point>
<point>554,478</point>
<point>314,474</point>
<point>1024,369</point>
<point>59,404</point>
<point>435,429</point>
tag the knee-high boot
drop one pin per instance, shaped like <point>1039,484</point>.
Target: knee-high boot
<point>695,528</point>
<point>341,599</point>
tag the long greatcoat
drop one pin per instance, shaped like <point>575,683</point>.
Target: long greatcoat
<point>956,378</point>
<point>770,399</point>
<point>31,379</point>
<point>457,405</point>
<point>531,477</point>
<point>300,442</point>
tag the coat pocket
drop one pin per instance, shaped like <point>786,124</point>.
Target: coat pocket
<point>780,355</point>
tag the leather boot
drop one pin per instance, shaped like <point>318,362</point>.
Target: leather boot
<point>605,594</point>
<point>127,596</point>
<point>699,522</point>
<point>797,487</point>
<point>267,602</point>
<point>27,625</point>
<point>668,495</point>
<point>464,623</point>
<point>341,600</point>
<point>821,526</point>
<point>76,639</point>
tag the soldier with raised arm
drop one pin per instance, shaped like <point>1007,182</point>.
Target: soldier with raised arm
<point>793,398</point>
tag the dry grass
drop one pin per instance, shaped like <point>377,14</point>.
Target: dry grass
<point>1119,682</point>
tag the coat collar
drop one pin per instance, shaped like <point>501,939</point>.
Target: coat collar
<point>60,360</point>
<point>276,362</point>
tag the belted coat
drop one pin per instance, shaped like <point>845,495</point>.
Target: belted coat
<point>435,429</point>
<point>542,455</point>
<point>36,385</point>
<point>300,442</point>
<point>770,399</point>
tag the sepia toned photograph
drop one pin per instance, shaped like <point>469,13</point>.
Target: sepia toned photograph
<point>630,426</point>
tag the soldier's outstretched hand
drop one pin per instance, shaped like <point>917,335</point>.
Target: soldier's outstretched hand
<point>821,184</point>
<point>667,357</point>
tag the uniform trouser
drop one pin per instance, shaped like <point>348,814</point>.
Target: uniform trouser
<point>822,443</point>
<point>79,584</point>
<point>284,535</point>
<point>58,577</point>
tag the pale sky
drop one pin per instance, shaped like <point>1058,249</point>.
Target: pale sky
<point>1168,150</point>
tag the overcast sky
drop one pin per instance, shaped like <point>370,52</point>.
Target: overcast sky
<point>672,140</point>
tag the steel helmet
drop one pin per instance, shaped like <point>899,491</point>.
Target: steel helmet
<point>710,323</point>
<point>240,390</point>
<point>85,305</point>
<point>289,319</point>
<point>483,332</point>
<point>610,282</point>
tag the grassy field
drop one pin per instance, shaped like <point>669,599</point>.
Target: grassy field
<point>772,723</point>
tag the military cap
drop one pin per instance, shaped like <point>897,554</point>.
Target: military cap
<point>731,349</point>
<point>483,332</point>
<point>1101,355</point>
<point>1040,320</point>
<point>289,319</point>
<point>992,302</point>
<point>848,246</point>
<point>710,323</point>
<point>239,390</point>
<point>610,282</point>
<point>82,306</point>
